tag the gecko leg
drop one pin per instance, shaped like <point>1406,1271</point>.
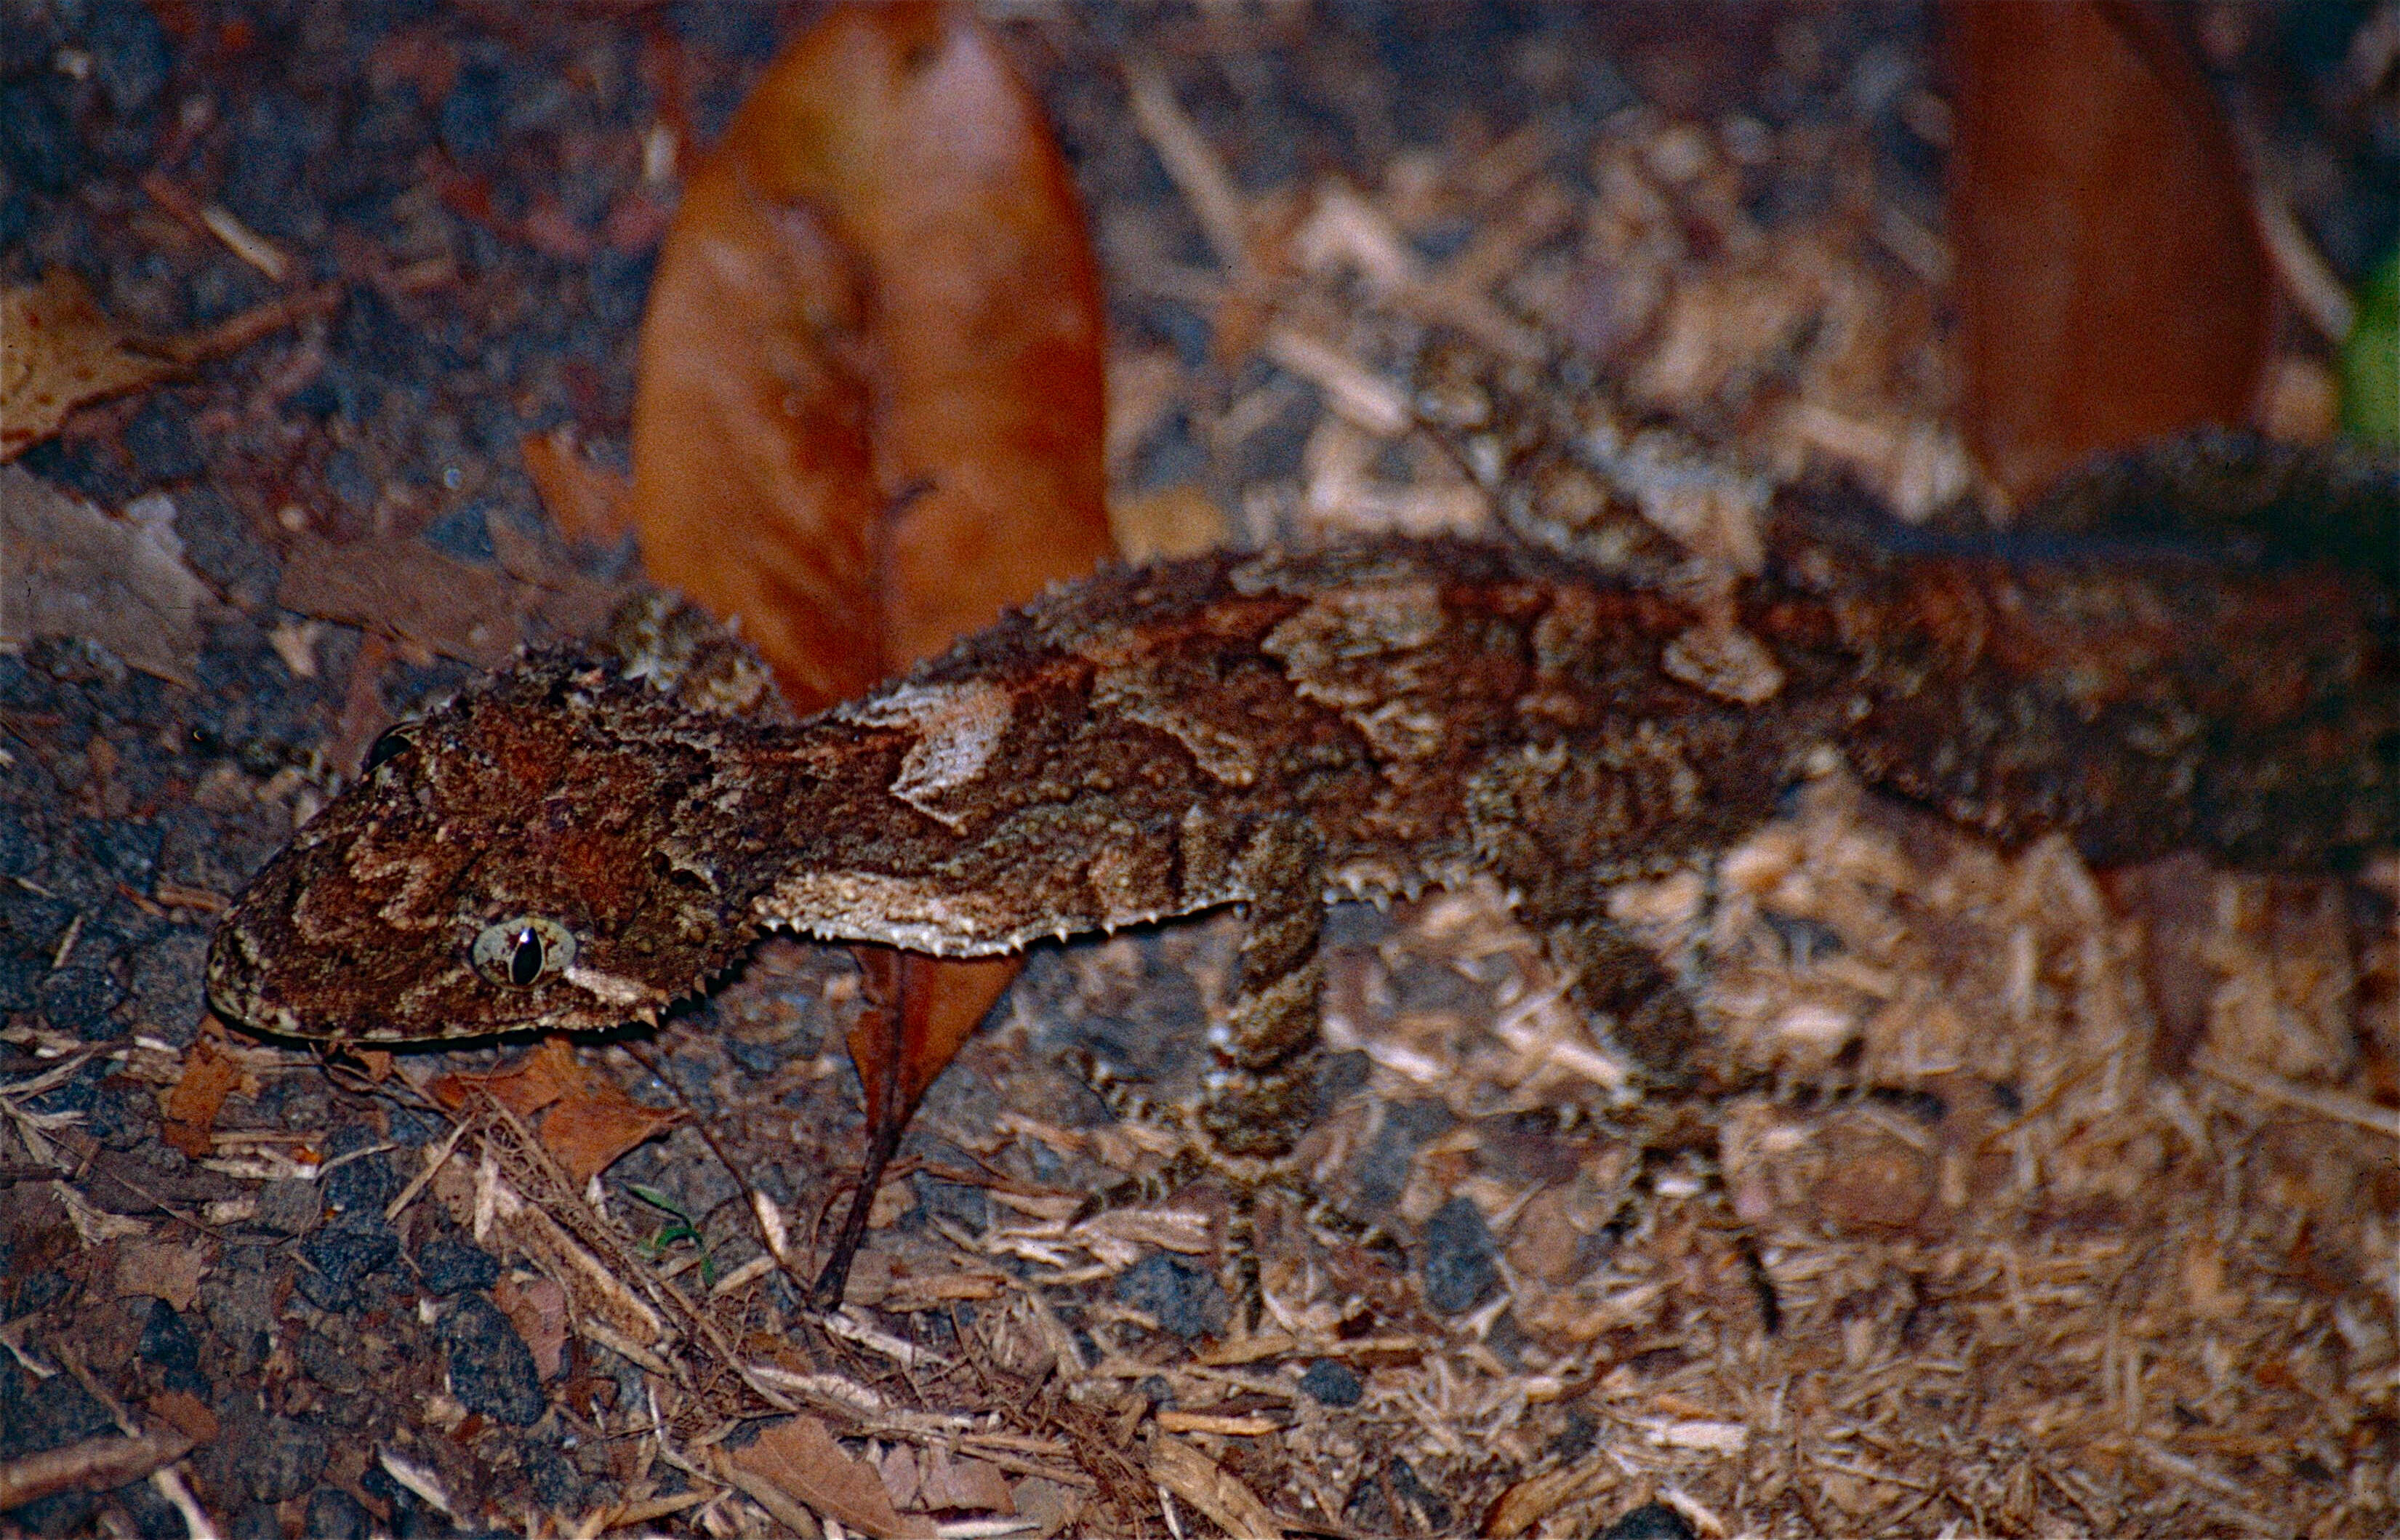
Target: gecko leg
<point>1264,1088</point>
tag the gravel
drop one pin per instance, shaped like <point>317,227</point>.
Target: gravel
<point>491,1369</point>
<point>1457,1268</point>
<point>1186,1300</point>
<point>1330,1381</point>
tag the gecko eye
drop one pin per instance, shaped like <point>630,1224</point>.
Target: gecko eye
<point>522,951</point>
<point>390,744</point>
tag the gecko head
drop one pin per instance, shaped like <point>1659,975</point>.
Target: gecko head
<point>561,849</point>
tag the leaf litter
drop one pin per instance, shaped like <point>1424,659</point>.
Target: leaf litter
<point>1983,1253</point>
<point>67,569</point>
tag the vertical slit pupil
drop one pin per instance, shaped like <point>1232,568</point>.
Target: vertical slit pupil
<point>526,958</point>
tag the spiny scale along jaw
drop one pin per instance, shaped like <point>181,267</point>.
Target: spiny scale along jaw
<point>559,850</point>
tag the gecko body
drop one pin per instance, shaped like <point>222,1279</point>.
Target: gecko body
<point>568,847</point>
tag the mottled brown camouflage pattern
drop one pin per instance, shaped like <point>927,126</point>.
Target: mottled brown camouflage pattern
<point>1272,729</point>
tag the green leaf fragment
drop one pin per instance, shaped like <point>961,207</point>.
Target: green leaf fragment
<point>2370,359</point>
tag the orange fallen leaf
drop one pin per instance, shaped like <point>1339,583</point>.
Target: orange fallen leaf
<point>2111,284</point>
<point>586,502</point>
<point>188,1113</point>
<point>407,591</point>
<point>799,1458</point>
<point>871,407</point>
<point>540,1078</point>
<point>753,489</point>
<point>871,390</point>
<point>64,352</point>
<point>932,1006</point>
<point>588,1131</point>
<point>588,1120</point>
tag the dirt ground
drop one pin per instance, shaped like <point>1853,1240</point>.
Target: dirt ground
<point>2062,1202</point>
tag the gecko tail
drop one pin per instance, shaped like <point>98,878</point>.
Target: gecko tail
<point>2192,644</point>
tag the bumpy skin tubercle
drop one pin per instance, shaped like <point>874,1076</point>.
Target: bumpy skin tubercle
<point>567,848</point>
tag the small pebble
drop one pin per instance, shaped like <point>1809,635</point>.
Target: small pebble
<point>40,1290</point>
<point>38,134</point>
<point>360,1186</point>
<point>335,1515</point>
<point>284,1460</point>
<point>340,1255</point>
<point>169,1342</point>
<point>330,1364</point>
<point>966,1207</point>
<point>1383,1172</point>
<point>160,443</point>
<point>1334,1383</point>
<point>129,52</point>
<point>239,1296</point>
<point>1458,1269</point>
<point>257,1522</point>
<point>55,1412</point>
<point>80,1000</point>
<point>1650,1522</point>
<point>290,1206</point>
<point>450,1266</point>
<point>491,1369</point>
<point>1186,1300</point>
<point>557,1485</point>
<point>152,1517</point>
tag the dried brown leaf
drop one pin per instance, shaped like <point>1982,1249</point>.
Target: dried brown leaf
<point>537,1310</point>
<point>2111,284</point>
<point>872,405</point>
<point>540,1078</point>
<point>898,1468</point>
<point>586,502</point>
<point>165,1269</point>
<point>589,1129</point>
<point>590,1120</point>
<point>855,423</point>
<point>68,569</point>
<point>953,1482</point>
<point>754,484</point>
<point>406,590</point>
<point>922,1010</point>
<point>800,1459</point>
<point>1052,1505</point>
<point>186,1412</point>
<point>188,1113</point>
<point>63,352</point>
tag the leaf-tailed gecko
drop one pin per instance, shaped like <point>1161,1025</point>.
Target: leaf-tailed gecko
<point>568,847</point>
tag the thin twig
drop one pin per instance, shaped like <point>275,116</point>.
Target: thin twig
<point>2268,1086</point>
